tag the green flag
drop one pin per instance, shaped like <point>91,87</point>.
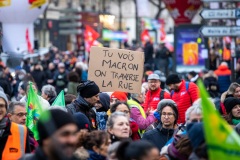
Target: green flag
<point>60,100</point>
<point>33,111</point>
<point>221,139</point>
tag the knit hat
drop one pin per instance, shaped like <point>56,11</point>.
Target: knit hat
<point>195,134</point>
<point>57,119</point>
<point>4,97</point>
<point>231,102</point>
<point>121,96</point>
<point>88,89</point>
<point>168,102</point>
<point>192,73</point>
<point>173,79</point>
<point>82,121</point>
<point>104,99</point>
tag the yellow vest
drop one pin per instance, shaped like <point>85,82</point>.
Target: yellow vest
<point>16,143</point>
<point>133,104</point>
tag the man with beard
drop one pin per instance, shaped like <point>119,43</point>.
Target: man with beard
<point>183,93</point>
<point>58,136</point>
<point>154,94</point>
<point>88,96</point>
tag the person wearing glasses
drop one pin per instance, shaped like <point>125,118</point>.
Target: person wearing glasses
<point>17,113</point>
<point>13,137</point>
<point>123,107</point>
<point>168,112</point>
<point>88,96</point>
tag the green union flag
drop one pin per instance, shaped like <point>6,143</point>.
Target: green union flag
<point>222,141</point>
<point>33,111</point>
<point>60,100</point>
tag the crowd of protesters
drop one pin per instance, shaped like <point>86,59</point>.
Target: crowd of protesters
<point>163,122</point>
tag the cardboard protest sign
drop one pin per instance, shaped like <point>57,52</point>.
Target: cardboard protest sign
<point>116,69</point>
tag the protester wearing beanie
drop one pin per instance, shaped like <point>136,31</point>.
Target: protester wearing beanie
<point>10,137</point>
<point>88,96</point>
<point>183,93</point>
<point>57,136</point>
<point>118,96</point>
<point>232,106</point>
<point>101,110</point>
<point>193,76</point>
<point>168,112</point>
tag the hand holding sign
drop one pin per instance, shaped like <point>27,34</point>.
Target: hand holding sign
<point>116,69</point>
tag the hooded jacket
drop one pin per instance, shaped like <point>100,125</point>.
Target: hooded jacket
<point>81,105</point>
<point>158,136</point>
<point>223,73</point>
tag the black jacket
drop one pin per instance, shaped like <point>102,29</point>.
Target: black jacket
<point>158,136</point>
<point>40,155</point>
<point>81,105</point>
<point>3,139</point>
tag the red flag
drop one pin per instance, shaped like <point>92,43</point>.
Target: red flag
<point>29,45</point>
<point>145,36</point>
<point>90,36</point>
<point>162,33</point>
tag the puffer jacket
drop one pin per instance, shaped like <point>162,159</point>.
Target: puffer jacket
<point>184,98</point>
<point>224,74</point>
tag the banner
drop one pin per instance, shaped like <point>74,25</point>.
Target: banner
<point>221,139</point>
<point>17,24</point>
<point>182,11</point>
<point>116,69</point>
<point>36,3</point>
<point>4,3</point>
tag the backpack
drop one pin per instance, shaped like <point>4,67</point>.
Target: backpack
<point>187,87</point>
<point>162,94</point>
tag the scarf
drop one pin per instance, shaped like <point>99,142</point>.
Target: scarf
<point>3,125</point>
<point>235,121</point>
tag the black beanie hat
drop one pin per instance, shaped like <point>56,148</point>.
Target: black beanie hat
<point>192,73</point>
<point>104,99</point>
<point>173,79</point>
<point>195,134</point>
<point>82,121</point>
<point>88,89</point>
<point>57,119</point>
<point>231,102</point>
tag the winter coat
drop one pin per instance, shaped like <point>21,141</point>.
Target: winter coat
<point>6,85</point>
<point>39,78</point>
<point>39,155</point>
<point>158,136</point>
<point>60,80</point>
<point>134,128</point>
<point>81,105</point>
<point>72,88</point>
<point>152,99</point>
<point>185,98</point>
<point>224,75</point>
<point>142,122</point>
<point>95,156</point>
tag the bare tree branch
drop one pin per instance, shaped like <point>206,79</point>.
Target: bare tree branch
<point>154,3</point>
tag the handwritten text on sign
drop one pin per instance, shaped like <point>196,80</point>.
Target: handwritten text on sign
<point>116,69</point>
